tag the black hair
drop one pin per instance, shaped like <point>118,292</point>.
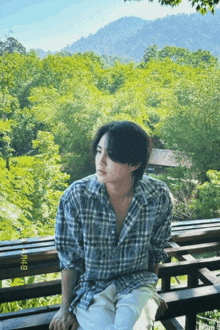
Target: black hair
<point>127,143</point>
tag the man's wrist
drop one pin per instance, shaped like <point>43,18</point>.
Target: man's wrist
<point>64,307</point>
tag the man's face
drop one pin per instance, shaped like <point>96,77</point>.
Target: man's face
<point>107,170</point>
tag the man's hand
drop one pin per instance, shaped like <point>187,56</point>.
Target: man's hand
<point>63,320</point>
<point>162,308</point>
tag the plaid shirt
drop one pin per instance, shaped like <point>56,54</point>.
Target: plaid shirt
<point>85,237</point>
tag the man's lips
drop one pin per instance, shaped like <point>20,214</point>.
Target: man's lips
<point>101,172</point>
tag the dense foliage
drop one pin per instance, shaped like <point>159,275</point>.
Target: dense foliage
<point>51,108</point>
<point>203,6</point>
<point>30,191</point>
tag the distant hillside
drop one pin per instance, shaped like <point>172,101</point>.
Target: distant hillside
<point>105,39</point>
<point>130,36</point>
<point>41,53</point>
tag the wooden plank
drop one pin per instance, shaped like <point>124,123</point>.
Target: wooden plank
<point>40,322</point>
<point>27,246</point>
<point>197,248</point>
<point>180,303</point>
<point>28,291</point>
<point>198,232</point>
<point>207,277</point>
<point>189,233</point>
<point>26,240</point>
<point>188,267</point>
<point>197,221</point>
<point>172,324</point>
<point>181,229</point>
<point>8,258</point>
<point>183,302</point>
<point>197,236</point>
<point>204,274</point>
<point>29,311</point>
<point>33,269</point>
<point>185,257</point>
<point>30,251</point>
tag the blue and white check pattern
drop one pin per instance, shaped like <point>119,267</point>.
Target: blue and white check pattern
<point>85,237</point>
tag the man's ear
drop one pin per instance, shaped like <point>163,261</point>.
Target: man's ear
<point>134,167</point>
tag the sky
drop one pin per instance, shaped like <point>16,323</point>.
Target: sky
<point>52,24</point>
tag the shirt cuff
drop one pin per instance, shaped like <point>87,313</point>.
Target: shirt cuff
<point>70,264</point>
<point>155,257</point>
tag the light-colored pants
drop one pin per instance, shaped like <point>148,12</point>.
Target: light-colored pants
<point>112,311</point>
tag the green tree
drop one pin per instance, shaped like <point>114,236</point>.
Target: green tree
<point>202,6</point>
<point>182,184</point>
<point>11,45</point>
<point>18,73</point>
<point>15,209</point>
<point>193,122</point>
<point>151,53</point>
<point>7,107</point>
<point>180,55</point>
<point>25,76</point>
<point>112,79</point>
<point>206,202</point>
<point>49,182</point>
<point>71,116</point>
<point>23,131</point>
<point>28,206</point>
<point>204,57</point>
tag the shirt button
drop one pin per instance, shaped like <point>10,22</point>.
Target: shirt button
<point>112,231</point>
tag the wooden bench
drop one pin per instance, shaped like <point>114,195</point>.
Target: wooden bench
<point>34,256</point>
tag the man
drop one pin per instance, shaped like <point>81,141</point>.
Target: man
<point>111,230</point>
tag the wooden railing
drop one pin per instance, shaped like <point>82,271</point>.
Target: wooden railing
<point>34,256</point>
<point>191,238</point>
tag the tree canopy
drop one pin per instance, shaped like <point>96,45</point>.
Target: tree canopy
<point>11,45</point>
<point>202,6</point>
<point>50,110</point>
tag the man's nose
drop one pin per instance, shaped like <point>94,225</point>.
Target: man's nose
<point>103,159</point>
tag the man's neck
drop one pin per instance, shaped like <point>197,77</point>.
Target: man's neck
<point>121,190</point>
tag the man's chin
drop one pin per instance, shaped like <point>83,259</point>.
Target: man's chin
<point>100,178</point>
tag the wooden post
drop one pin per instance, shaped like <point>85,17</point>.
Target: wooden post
<point>190,322</point>
<point>193,282</point>
<point>165,282</point>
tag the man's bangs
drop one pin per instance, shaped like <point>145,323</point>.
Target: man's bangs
<point>118,147</point>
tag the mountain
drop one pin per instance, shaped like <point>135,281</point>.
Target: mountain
<point>103,41</point>
<point>130,36</point>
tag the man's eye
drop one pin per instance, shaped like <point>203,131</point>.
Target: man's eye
<point>98,151</point>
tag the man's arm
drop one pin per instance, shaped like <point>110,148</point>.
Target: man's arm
<point>69,279</point>
<point>63,319</point>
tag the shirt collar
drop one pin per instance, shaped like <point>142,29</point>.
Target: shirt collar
<point>96,188</point>
<point>144,189</point>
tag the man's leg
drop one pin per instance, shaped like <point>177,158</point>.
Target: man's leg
<point>136,310</point>
<point>100,313</point>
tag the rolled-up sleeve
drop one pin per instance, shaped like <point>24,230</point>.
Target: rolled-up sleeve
<point>68,234</point>
<point>161,230</point>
